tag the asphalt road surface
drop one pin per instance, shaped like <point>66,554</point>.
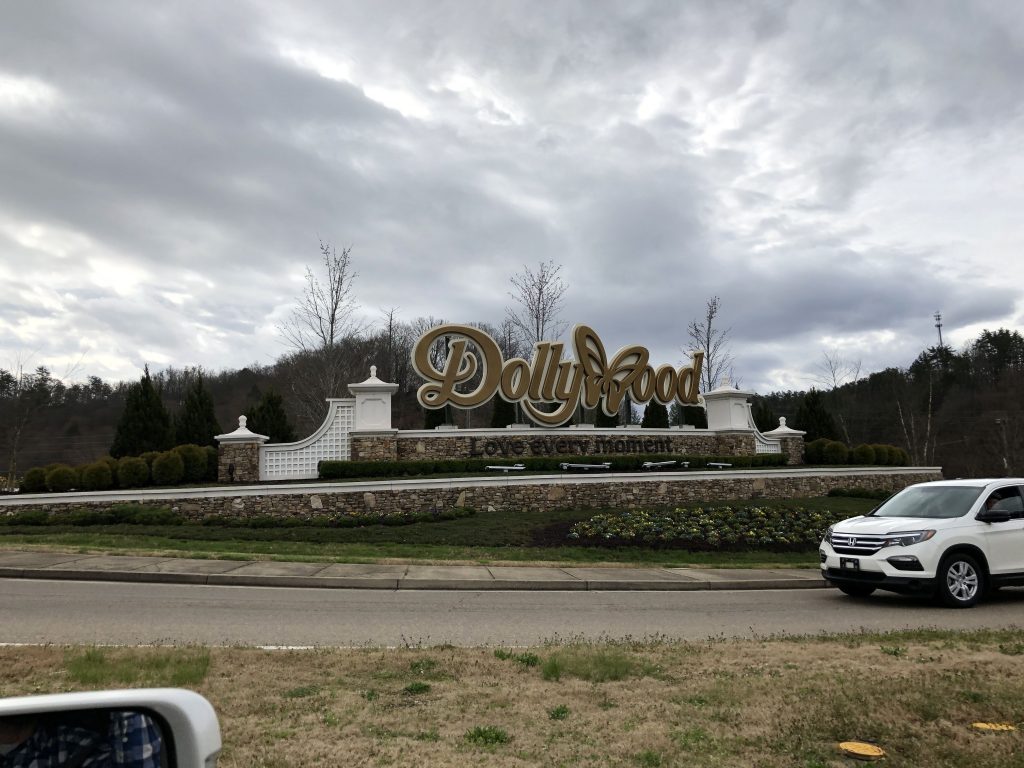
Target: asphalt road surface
<point>94,612</point>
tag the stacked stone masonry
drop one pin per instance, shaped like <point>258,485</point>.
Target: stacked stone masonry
<point>379,447</point>
<point>238,463</point>
<point>512,496</point>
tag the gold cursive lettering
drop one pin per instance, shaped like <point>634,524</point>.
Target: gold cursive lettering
<point>474,361</point>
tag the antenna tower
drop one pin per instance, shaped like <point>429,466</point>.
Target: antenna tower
<point>938,326</point>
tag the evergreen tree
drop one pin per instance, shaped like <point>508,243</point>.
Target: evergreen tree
<point>696,416</point>
<point>601,419</point>
<point>679,415</point>
<point>145,424</point>
<point>504,413</point>
<point>197,423</point>
<point>435,417</point>
<point>814,419</point>
<point>655,416</point>
<point>269,418</point>
<point>764,416</point>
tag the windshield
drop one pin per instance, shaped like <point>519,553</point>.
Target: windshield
<point>930,501</point>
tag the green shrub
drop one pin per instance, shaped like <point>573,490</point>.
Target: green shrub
<point>194,459</point>
<point>487,735</point>
<point>61,478</point>
<point>149,457</point>
<point>894,455</point>
<point>26,517</point>
<point>863,454</point>
<point>859,493</point>
<point>168,468</point>
<point>881,454</point>
<point>904,458</point>
<point>97,476</point>
<point>132,472</point>
<point>34,481</point>
<point>835,452</point>
<point>814,451</point>
<point>211,463</point>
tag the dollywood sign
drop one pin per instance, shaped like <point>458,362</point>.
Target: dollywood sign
<point>475,362</point>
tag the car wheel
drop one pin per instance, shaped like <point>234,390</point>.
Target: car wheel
<point>856,590</point>
<point>961,581</point>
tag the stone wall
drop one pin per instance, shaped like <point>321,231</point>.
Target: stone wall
<point>238,463</point>
<point>516,444</point>
<point>513,494</point>
<point>374,446</point>
<point>793,448</point>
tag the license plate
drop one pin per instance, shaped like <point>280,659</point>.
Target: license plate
<point>849,563</point>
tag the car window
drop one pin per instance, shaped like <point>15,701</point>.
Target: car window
<point>932,501</point>
<point>1006,500</point>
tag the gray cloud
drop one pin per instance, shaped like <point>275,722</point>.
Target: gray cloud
<point>824,168</point>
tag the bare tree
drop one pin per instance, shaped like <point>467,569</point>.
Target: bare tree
<point>834,370</point>
<point>324,335</point>
<point>713,341</point>
<point>324,313</point>
<point>538,297</point>
<point>832,373</point>
<point>22,396</point>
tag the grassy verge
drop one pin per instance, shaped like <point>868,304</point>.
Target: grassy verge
<point>527,536</point>
<point>764,702</point>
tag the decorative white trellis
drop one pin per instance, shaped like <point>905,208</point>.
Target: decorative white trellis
<point>299,460</point>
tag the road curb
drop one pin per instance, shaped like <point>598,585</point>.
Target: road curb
<point>393,584</point>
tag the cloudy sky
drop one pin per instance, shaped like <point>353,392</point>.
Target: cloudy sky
<point>835,171</point>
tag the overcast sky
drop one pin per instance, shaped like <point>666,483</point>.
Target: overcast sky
<point>835,171</point>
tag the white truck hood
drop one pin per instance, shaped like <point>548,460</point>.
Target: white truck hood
<point>883,525</point>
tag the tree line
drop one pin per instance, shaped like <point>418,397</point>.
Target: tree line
<point>962,409</point>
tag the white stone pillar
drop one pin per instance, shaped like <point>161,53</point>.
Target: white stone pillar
<point>373,403</point>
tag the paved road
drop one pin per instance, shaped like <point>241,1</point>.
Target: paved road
<point>92,612</point>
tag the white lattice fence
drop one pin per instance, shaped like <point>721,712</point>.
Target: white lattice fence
<point>763,445</point>
<point>293,461</point>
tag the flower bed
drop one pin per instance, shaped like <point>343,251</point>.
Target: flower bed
<point>709,529</point>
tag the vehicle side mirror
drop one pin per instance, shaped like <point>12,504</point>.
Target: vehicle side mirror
<point>993,516</point>
<point>178,728</point>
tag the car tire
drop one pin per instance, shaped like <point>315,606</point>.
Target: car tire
<point>856,590</point>
<point>961,581</point>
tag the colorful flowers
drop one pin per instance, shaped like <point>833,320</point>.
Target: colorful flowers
<point>699,528</point>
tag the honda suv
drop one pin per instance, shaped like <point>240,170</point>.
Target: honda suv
<point>956,539</point>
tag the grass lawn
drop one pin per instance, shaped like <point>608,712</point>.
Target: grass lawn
<point>528,536</point>
<point>764,702</point>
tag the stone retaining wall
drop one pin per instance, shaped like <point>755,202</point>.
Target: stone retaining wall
<point>506,494</point>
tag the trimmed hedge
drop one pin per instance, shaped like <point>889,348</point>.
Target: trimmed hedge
<point>97,477</point>
<point>168,468</point>
<point>337,470</point>
<point>132,472</point>
<point>34,481</point>
<point>859,493</point>
<point>835,452</point>
<point>194,459</point>
<point>139,514</point>
<point>863,454</point>
<point>823,451</point>
<point>61,478</point>
<point>717,529</point>
<point>211,463</point>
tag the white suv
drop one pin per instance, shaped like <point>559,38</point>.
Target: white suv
<point>956,539</point>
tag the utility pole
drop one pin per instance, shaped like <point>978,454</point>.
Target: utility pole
<point>938,326</point>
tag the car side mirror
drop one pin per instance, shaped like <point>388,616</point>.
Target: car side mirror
<point>175,727</point>
<point>993,516</point>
